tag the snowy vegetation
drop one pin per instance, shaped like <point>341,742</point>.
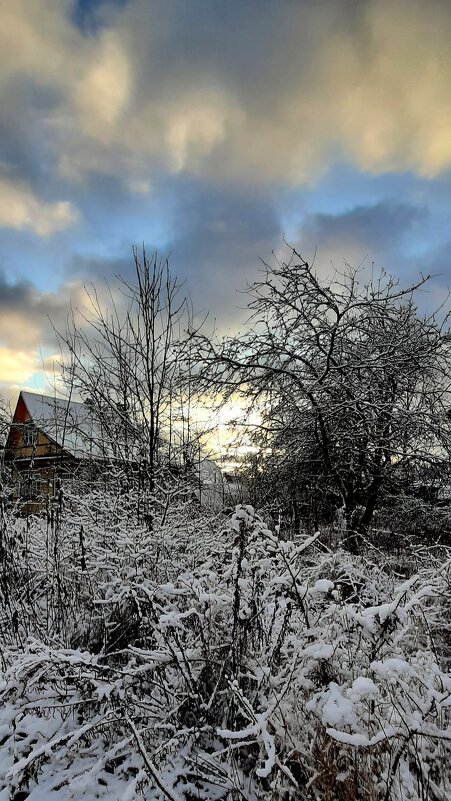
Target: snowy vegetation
<point>154,648</point>
<point>213,659</point>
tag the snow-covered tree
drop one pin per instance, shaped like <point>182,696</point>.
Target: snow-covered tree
<point>351,383</point>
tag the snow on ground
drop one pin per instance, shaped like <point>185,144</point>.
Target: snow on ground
<point>223,665</point>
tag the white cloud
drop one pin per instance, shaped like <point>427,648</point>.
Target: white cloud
<point>17,367</point>
<point>36,39</point>
<point>193,127</point>
<point>102,92</point>
<point>20,208</point>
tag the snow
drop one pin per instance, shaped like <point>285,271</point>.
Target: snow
<point>322,585</point>
<point>392,667</point>
<point>319,650</point>
<point>355,739</point>
<point>337,710</point>
<point>68,423</point>
<point>218,669</point>
<point>363,687</point>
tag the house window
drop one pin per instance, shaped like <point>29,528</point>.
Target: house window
<point>30,484</point>
<point>29,435</point>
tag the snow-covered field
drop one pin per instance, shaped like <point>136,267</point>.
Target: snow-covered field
<point>208,659</point>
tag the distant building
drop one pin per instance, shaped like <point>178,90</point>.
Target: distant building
<point>51,441</point>
<point>49,438</point>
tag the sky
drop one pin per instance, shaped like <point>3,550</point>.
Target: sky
<point>212,131</point>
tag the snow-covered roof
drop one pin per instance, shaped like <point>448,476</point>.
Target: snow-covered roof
<point>70,424</point>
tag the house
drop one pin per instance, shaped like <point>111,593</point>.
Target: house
<point>49,438</point>
<point>52,440</point>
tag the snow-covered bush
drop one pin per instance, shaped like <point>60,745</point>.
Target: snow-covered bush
<point>212,660</point>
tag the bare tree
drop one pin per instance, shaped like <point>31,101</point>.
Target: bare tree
<point>351,384</point>
<point>126,358</point>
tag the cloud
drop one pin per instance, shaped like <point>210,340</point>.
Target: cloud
<point>233,91</point>
<point>27,315</point>
<point>374,231</point>
<point>217,237</point>
<point>17,367</point>
<point>101,93</point>
<point>29,319</point>
<point>242,92</point>
<point>36,35</point>
<point>214,242</point>
<point>20,208</point>
<point>197,127</point>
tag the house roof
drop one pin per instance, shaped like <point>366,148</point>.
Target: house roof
<point>70,424</point>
